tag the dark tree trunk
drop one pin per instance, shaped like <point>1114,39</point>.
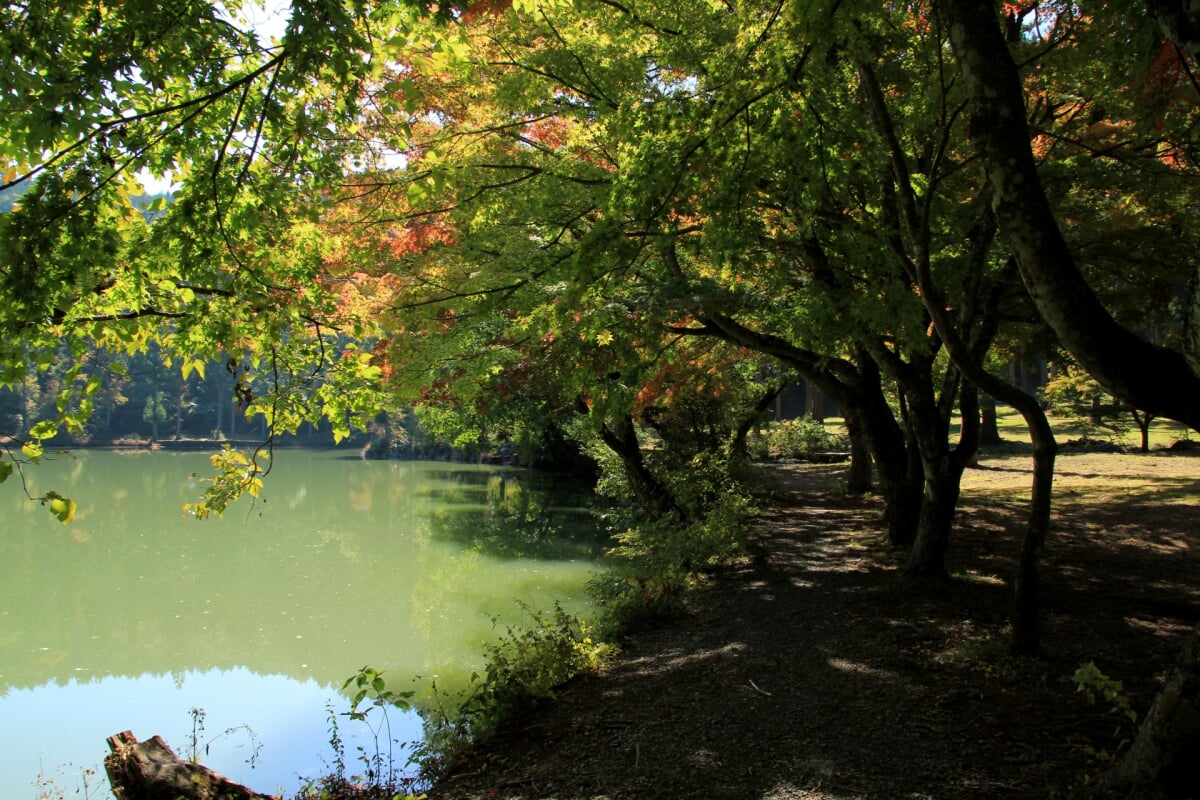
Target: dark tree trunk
<point>971,429</point>
<point>897,463</point>
<point>939,500</point>
<point>654,498</point>
<point>942,473</point>
<point>1145,375</point>
<point>1027,594</point>
<point>1143,420</point>
<point>737,445</point>
<point>858,479</point>
<point>927,425</point>
<point>1161,762</point>
<point>927,559</point>
<point>814,401</point>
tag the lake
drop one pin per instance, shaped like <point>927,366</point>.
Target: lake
<point>136,617</point>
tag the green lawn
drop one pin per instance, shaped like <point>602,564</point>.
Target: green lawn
<point>1163,433</point>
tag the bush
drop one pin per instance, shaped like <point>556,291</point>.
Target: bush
<point>523,669</point>
<point>793,438</point>
<point>654,565</point>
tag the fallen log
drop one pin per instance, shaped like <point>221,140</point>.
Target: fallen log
<point>150,770</point>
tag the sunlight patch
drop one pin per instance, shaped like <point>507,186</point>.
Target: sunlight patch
<point>843,665</point>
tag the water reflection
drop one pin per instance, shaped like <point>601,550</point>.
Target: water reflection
<point>400,565</point>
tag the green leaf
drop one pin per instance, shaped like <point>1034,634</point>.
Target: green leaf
<point>416,193</point>
<point>61,507</point>
<point>46,429</point>
<point>6,469</point>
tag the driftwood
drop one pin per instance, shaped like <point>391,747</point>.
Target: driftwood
<point>150,770</point>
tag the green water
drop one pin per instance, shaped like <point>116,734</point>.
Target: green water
<point>133,615</point>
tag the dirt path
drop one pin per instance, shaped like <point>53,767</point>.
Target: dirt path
<point>809,671</point>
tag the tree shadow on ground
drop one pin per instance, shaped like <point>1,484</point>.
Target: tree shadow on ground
<point>809,670</point>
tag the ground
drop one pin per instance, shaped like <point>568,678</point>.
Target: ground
<point>810,670</point>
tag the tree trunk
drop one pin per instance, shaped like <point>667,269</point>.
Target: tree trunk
<point>989,433</point>
<point>150,770</point>
<point>737,445</point>
<point>814,401</point>
<point>858,480</point>
<point>1143,420</point>
<point>1027,594</point>
<point>897,463</point>
<point>927,559</point>
<point>1161,763</point>
<point>939,499</point>
<point>651,495</point>
<point>1143,374</point>
<point>927,431</point>
<point>902,484</point>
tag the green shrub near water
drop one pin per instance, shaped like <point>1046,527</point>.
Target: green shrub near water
<point>654,565</point>
<point>524,668</point>
<point>650,571</point>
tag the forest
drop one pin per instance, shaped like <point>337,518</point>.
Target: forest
<point>614,232</point>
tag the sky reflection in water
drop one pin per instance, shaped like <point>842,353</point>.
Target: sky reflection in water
<point>133,615</point>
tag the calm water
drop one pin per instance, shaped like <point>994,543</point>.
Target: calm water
<point>132,616</point>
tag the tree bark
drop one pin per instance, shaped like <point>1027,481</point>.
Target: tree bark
<point>150,770</point>
<point>1147,376</point>
<point>942,474</point>
<point>927,559</point>
<point>737,444</point>
<point>1161,762</point>
<point>968,357</point>
<point>814,401</point>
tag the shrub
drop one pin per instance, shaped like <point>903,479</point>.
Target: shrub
<point>523,669</point>
<point>654,565</point>
<point>793,438</point>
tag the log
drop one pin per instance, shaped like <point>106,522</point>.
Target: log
<point>150,770</point>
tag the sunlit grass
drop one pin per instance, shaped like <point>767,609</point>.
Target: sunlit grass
<point>1012,427</point>
<point>1163,432</point>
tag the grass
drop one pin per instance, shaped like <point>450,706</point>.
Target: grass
<point>1163,432</point>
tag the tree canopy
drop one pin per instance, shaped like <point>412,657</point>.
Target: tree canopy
<point>610,222</point>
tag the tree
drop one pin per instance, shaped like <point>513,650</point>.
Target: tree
<point>1150,377</point>
<point>1073,393</point>
<point>154,412</point>
<point>247,130</point>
